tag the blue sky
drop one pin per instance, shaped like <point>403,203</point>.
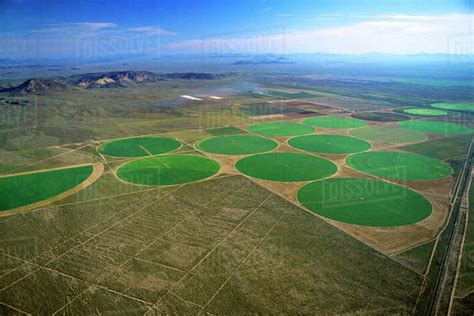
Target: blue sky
<point>45,28</point>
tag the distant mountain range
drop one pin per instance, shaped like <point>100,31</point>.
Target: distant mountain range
<point>264,61</point>
<point>114,79</point>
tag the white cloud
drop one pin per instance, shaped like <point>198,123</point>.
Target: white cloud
<point>150,30</point>
<point>383,34</point>
<point>75,27</point>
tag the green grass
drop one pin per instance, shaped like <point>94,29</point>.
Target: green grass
<point>388,135</point>
<point>469,107</point>
<point>334,122</point>
<point>425,112</point>
<point>280,129</point>
<point>16,191</point>
<point>329,144</point>
<point>168,170</point>
<point>380,116</point>
<point>435,127</point>
<point>259,109</point>
<point>225,131</point>
<point>297,95</point>
<point>399,165</point>
<point>139,146</point>
<point>286,167</point>
<point>236,145</point>
<point>364,202</point>
<point>441,148</point>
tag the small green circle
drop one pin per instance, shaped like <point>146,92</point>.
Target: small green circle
<point>329,144</point>
<point>168,170</point>
<point>364,202</point>
<point>334,122</point>
<point>425,112</point>
<point>286,167</point>
<point>139,146</point>
<point>388,135</point>
<point>399,165</point>
<point>236,145</point>
<point>281,129</point>
<point>435,127</point>
<point>455,106</point>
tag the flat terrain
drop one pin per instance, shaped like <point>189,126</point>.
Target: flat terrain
<point>389,135</point>
<point>286,167</point>
<point>139,146</point>
<point>364,202</point>
<point>436,127</point>
<point>425,112</point>
<point>335,122</point>
<point>247,203</point>
<point>329,144</point>
<point>236,145</point>
<point>167,170</point>
<point>24,189</point>
<point>281,129</point>
<point>399,165</point>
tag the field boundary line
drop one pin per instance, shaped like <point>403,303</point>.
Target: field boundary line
<point>106,274</point>
<point>90,238</point>
<point>224,238</point>
<point>260,242</point>
<point>14,308</point>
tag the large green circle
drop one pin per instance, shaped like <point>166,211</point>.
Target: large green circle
<point>435,127</point>
<point>380,116</point>
<point>329,144</point>
<point>281,129</point>
<point>24,189</point>
<point>168,170</point>
<point>399,165</point>
<point>469,107</point>
<point>236,145</point>
<point>388,135</point>
<point>365,202</point>
<point>334,122</point>
<point>139,146</point>
<point>425,112</point>
<point>286,167</point>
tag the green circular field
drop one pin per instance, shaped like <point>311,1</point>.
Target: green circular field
<point>469,107</point>
<point>139,146</point>
<point>435,127</point>
<point>425,112</point>
<point>236,145</point>
<point>399,165</point>
<point>388,135</point>
<point>365,202</point>
<point>281,129</point>
<point>334,122</point>
<point>167,169</point>
<point>329,144</point>
<point>380,116</point>
<point>286,167</point>
<point>28,188</point>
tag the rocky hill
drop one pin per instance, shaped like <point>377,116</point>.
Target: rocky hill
<point>116,79</point>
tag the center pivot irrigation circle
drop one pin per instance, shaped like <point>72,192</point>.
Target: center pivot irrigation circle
<point>399,166</point>
<point>469,107</point>
<point>435,127</point>
<point>281,129</point>
<point>425,112</point>
<point>365,202</point>
<point>329,144</point>
<point>389,135</point>
<point>139,146</point>
<point>334,122</point>
<point>236,145</point>
<point>168,170</point>
<point>286,167</point>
